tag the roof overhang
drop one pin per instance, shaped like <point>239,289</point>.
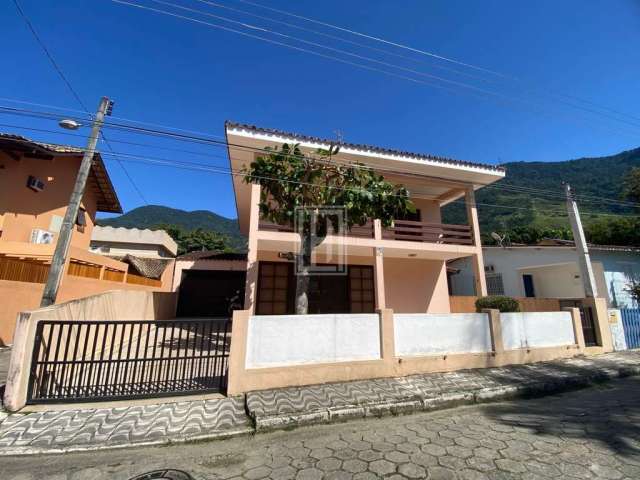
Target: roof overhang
<point>426,176</point>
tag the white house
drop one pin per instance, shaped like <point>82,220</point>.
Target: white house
<point>551,270</point>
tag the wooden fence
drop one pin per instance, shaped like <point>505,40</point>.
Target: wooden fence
<point>467,304</point>
<point>35,271</point>
<point>140,280</point>
<point>84,269</point>
<point>20,270</point>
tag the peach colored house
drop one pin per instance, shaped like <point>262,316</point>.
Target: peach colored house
<point>401,268</point>
<point>36,180</point>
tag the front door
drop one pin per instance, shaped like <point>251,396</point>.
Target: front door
<point>529,290</point>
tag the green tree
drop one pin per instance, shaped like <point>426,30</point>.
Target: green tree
<point>294,184</point>
<point>614,231</point>
<point>631,185</point>
<point>196,240</point>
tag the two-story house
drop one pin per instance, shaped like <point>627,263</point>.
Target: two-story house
<point>402,267</point>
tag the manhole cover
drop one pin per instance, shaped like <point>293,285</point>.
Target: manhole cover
<point>164,475</point>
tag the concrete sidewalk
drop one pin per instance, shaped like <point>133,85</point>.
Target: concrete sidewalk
<point>105,428</point>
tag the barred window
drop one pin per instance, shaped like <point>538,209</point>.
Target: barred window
<point>494,284</point>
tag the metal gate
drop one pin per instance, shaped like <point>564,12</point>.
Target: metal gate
<point>631,326</point>
<point>77,361</point>
<point>588,327</point>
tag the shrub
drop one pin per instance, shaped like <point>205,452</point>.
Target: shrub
<point>499,302</point>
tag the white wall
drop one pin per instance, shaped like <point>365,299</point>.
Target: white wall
<point>280,340</point>
<point>432,334</point>
<point>536,329</point>
<point>557,278</point>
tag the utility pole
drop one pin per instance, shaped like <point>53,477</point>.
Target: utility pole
<point>588,279</point>
<point>66,230</point>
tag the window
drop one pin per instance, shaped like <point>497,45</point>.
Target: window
<point>361,289</point>
<point>273,288</point>
<point>81,219</point>
<point>494,284</point>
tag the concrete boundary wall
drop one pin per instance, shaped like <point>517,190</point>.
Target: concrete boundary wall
<point>533,330</point>
<point>112,305</point>
<point>243,378</point>
<point>433,334</point>
<point>282,340</point>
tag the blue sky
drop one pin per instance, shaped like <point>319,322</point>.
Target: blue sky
<point>164,70</point>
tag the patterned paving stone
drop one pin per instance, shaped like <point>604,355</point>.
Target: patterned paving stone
<point>451,440</point>
<point>124,425</point>
<point>593,434</point>
<point>379,396</point>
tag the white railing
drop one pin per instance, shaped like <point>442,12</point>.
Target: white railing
<point>435,334</point>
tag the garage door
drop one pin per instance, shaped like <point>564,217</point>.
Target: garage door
<point>207,293</point>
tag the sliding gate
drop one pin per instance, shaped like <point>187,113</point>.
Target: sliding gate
<point>79,361</point>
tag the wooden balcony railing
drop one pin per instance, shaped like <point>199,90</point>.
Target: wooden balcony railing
<point>428,232</point>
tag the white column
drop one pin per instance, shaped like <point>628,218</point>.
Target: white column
<point>378,267</point>
<point>251,286</point>
<point>477,258</point>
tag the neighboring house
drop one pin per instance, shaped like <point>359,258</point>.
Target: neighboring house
<point>36,180</point>
<point>209,283</point>
<point>120,241</point>
<point>403,268</point>
<point>551,270</point>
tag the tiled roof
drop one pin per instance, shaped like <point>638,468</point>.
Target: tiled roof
<point>147,267</point>
<point>107,197</point>
<point>361,147</point>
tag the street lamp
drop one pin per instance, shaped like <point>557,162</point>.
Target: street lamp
<point>69,124</point>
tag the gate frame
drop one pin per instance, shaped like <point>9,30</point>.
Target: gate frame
<point>219,360</point>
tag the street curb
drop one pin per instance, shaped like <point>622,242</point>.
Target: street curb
<point>166,441</point>
<point>417,403</point>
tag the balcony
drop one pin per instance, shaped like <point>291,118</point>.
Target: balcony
<point>429,232</point>
<point>402,230</point>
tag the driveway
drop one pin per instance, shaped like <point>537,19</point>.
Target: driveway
<point>586,434</point>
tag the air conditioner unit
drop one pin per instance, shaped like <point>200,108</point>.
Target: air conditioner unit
<point>41,236</point>
<point>35,184</point>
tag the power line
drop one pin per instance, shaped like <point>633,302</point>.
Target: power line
<point>340,39</point>
<point>429,54</point>
<point>470,89</point>
<point>231,146</point>
<point>226,144</point>
<point>71,89</point>
<point>226,171</point>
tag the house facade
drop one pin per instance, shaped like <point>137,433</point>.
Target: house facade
<point>551,270</point>
<point>36,180</point>
<point>402,268</point>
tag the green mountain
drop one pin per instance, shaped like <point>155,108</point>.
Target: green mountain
<point>151,216</point>
<point>516,200</point>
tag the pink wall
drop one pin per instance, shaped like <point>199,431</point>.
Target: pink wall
<point>429,210</point>
<point>416,286</point>
<point>22,209</point>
